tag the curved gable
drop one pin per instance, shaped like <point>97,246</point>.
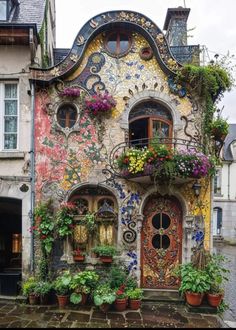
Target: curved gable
<point>96,25</point>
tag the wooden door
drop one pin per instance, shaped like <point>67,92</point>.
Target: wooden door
<point>161,242</point>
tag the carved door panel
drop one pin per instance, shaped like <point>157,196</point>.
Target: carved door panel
<point>161,242</point>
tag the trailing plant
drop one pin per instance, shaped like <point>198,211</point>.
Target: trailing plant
<point>210,82</point>
<point>219,127</point>
<point>65,219</point>
<point>44,226</point>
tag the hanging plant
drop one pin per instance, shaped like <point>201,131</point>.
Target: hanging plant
<point>100,103</point>
<point>65,219</point>
<point>70,91</point>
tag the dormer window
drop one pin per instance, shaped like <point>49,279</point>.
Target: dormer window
<point>5,8</point>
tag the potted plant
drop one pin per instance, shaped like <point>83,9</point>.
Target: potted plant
<point>89,221</point>
<point>78,254</point>
<point>29,289</point>
<point>82,284</point>
<point>100,103</point>
<point>219,128</point>
<point>194,283</point>
<point>62,287</point>
<point>218,274</point>
<point>43,289</point>
<point>135,296</point>
<point>104,296</point>
<point>105,252</point>
<point>121,299</point>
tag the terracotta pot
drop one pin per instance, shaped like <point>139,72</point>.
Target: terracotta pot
<point>84,298</point>
<point>33,299</point>
<point>62,301</point>
<point>120,304</point>
<point>214,300</point>
<point>134,304</point>
<point>105,307</point>
<point>194,299</point>
<point>106,259</point>
<point>44,299</point>
<point>78,258</point>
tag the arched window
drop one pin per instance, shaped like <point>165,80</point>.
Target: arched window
<point>118,43</point>
<point>67,115</point>
<point>149,120</point>
<point>96,222</point>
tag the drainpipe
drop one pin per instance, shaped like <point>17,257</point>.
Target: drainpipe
<point>32,161</point>
<point>229,164</point>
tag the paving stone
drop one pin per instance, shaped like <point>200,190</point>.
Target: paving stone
<point>79,325</point>
<point>19,324</point>
<point>115,324</point>
<point>133,316</point>
<point>52,316</point>
<point>116,317</point>
<point>35,324</point>
<point>74,316</point>
<point>98,324</point>
<point>97,314</point>
<point>134,324</point>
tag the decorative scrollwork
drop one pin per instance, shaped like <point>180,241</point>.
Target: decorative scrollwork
<point>130,235</point>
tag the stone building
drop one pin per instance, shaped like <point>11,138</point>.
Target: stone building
<point>224,212</point>
<point>27,38</point>
<point>81,155</point>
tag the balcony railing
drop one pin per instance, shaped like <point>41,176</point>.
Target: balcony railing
<point>187,54</point>
<point>137,160</point>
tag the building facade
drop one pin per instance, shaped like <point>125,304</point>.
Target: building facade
<point>97,161</point>
<point>27,38</point>
<point>224,214</point>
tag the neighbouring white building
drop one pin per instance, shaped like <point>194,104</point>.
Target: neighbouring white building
<point>224,212</point>
<point>27,34</point>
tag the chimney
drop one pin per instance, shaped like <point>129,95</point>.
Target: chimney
<point>176,26</point>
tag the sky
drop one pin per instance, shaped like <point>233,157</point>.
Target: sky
<point>211,24</point>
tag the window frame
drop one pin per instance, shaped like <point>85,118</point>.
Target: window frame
<point>2,115</point>
<point>118,32</point>
<point>67,119</point>
<point>9,6</point>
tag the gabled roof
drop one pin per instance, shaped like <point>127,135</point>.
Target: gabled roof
<point>28,12</point>
<point>227,154</point>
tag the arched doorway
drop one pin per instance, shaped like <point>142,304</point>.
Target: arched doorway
<point>161,242</point>
<point>10,245</point>
<point>217,221</point>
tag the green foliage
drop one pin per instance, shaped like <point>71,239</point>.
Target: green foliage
<point>105,250</point>
<point>219,127</point>
<point>217,272</point>
<point>84,281</point>
<point>117,276</point>
<point>43,288</point>
<point>222,307</point>
<point>65,219</point>
<point>75,298</point>
<point>44,227</point>
<point>89,221</point>
<point>62,283</point>
<point>135,293</point>
<point>193,279</point>
<point>104,294</point>
<point>29,286</point>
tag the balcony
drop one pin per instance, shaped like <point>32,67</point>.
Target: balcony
<point>165,160</point>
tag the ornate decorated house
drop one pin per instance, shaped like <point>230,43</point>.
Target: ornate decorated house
<point>121,134</point>
<point>26,39</point>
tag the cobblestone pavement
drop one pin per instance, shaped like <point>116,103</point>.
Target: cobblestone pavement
<point>151,315</point>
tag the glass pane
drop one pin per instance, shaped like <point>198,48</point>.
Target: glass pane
<point>10,124</point>
<point>3,10</point>
<point>112,44</point>
<point>124,43</point>
<point>165,221</point>
<point>10,91</point>
<point>67,116</point>
<point>156,221</point>
<point>160,129</point>
<point>11,108</point>
<point>164,130</point>
<point>10,141</point>
<point>156,241</point>
<point>165,242</point>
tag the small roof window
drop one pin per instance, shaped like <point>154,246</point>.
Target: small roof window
<point>118,43</point>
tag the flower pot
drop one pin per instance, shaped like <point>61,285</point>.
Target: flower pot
<point>134,304</point>
<point>79,258</point>
<point>214,300</point>
<point>194,299</point>
<point>44,299</point>
<point>33,299</point>
<point>105,307</point>
<point>120,304</point>
<point>106,259</point>
<point>84,298</point>
<point>62,301</point>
